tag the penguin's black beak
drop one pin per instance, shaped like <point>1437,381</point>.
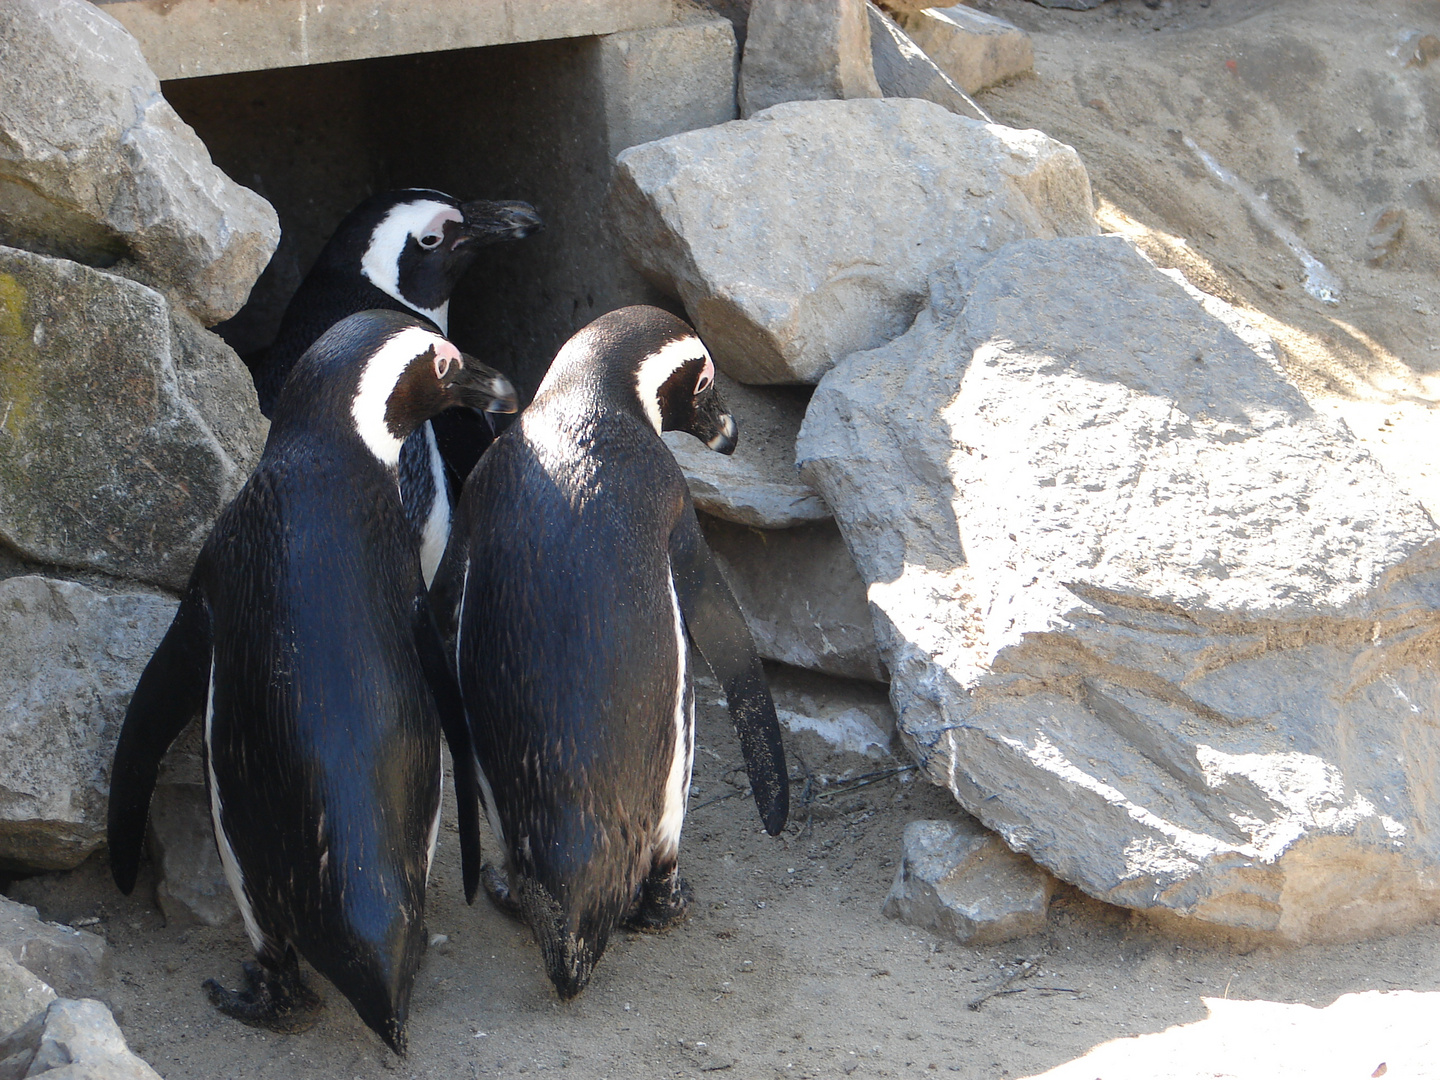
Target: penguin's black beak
<point>487,222</point>
<point>481,387</point>
<point>712,424</point>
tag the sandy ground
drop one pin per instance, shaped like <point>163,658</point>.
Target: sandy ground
<point>1326,112</point>
<point>785,969</point>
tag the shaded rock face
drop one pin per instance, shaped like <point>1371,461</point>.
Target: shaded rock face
<point>69,660</point>
<point>191,885</point>
<point>957,880</point>
<point>809,232</point>
<point>757,485</point>
<point>975,49</point>
<point>802,598</point>
<point>69,961</point>
<point>23,996</point>
<point>1146,614</point>
<point>81,1039</point>
<point>96,166</point>
<point>125,428</point>
<point>903,70</point>
<point>798,50</point>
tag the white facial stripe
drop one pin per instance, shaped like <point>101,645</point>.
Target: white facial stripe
<point>381,261</point>
<point>377,383</point>
<point>657,368</point>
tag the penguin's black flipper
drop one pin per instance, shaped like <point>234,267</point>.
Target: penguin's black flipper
<point>171,690</point>
<point>457,734</point>
<point>717,627</point>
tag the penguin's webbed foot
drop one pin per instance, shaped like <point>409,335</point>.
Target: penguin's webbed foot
<point>664,902</point>
<point>279,1000</point>
<point>497,888</point>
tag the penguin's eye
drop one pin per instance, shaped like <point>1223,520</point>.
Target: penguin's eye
<point>707,377</point>
<point>430,241</point>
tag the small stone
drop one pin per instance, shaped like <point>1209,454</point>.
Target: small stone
<point>1386,236</point>
<point>70,961</point>
<point>192,887</point>
<point>958,880</point>
<point>975,49</point>
<point>82,1039</point>
<point>800,50</point>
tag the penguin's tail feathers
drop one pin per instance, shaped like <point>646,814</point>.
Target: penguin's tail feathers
<point>570,951</point>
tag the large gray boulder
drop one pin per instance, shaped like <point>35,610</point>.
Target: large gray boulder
<point>903,70</point>
<point>71,961</point>
<point>123,431</point>
<point>801,50</point>
<point>69,659</point>
<point>1146,614</point>
<point>808,232</point>
<point>96,166</point>
<point>757,485</point>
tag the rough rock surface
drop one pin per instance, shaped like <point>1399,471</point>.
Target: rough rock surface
<point>96,166</point>
<point>975,49</point>
<point>801,595</point>
<point>903,70</point>
<point>69,960</point>
<point>1148,616</point>
<point>81,1041</point>
<point>850,718</point>
<point>757,484</point>
<point>808,232</point>
<point>689,66</point>
<point>798,50</point>
<point>960,881</point>
<point>191,884</point>
<point>125,428</point>
<point>69,660</point>
<point>23,995</point>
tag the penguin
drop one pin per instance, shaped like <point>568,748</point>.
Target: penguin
<point>306,641</point>
<point>405,251</point>
<point>575,574</point>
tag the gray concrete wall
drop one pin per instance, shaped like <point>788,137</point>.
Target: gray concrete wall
<point>192,38</point>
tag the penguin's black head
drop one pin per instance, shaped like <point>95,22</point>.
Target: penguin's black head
<point>414,245</point>
<point>394,373</point>
<point>650,357</point>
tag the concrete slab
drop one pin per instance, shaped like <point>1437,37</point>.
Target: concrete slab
<point>186,38</point>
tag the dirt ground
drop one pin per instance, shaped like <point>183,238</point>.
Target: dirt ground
<point>1326,112</point>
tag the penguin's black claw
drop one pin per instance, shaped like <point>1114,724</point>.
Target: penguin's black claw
<point>664,903</point>
<point>497,888</point>
<point>278,1001</point>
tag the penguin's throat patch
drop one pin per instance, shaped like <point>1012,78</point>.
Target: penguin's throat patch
<point>667,378</point>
